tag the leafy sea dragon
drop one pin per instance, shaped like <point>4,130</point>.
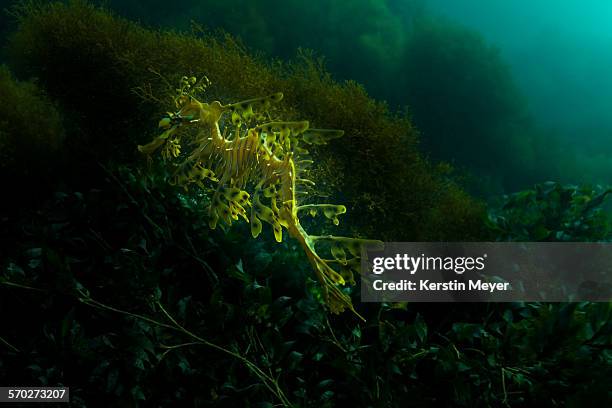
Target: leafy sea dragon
<point>263,158</point>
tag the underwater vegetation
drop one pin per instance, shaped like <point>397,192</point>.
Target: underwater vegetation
<point>112,281</point>
<point>377,171</point>
<point>554,212</point>
<point>93,277</point>
<point>31,134</point>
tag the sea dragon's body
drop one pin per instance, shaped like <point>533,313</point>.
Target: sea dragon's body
<point>261,157</point>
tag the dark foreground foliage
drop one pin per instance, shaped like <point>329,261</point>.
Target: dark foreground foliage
<point>125,295</point>
<point>554,212</point>
<point>115,286</point>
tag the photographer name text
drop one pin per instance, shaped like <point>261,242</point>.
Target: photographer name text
<point>427,285</point>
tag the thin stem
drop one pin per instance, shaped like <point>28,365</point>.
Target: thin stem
<point>503,378</point>
<point>94,303</point>
<point>9,345</point>
<point>18,285</point>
